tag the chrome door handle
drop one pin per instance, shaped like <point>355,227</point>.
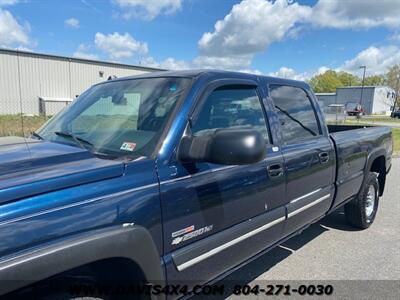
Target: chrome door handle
<point>323,157</point>
<point>275,170</point>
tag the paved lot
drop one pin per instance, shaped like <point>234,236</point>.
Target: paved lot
<point>332,250</point>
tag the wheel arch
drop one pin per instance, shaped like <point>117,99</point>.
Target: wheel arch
<point>132,243</point>
<point>377,164</point>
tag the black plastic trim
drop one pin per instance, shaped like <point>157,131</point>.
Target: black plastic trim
<point>132,242</point>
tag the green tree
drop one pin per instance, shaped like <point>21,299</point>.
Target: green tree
<point>330,80</point>
<point>375,80</point>
<point>326,82</point>
<point>348,79</point>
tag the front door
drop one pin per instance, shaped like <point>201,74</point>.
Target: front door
<point>216,216</point>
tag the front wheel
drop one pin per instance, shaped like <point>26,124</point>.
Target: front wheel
<point>361,211</point>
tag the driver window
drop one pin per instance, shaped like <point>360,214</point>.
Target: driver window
<point>231,107</point>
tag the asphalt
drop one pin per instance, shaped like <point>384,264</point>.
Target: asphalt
<point>360,264</point>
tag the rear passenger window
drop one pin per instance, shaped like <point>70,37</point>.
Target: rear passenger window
<point>231,107</point>
<point>295,112</point>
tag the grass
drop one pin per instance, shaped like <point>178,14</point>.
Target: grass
<point>11,125</point>
<point>374,120</point>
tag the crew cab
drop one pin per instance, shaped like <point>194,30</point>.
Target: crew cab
<point>177,178</point>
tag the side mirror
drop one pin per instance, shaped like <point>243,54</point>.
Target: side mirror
<point>224,146</point>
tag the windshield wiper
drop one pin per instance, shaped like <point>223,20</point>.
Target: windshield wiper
<point>80,141</point>
<point>37,135</point>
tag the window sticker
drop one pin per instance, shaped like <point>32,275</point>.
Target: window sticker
<point>128,146</point>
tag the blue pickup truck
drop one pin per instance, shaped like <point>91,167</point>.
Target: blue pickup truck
<point>176,178</point>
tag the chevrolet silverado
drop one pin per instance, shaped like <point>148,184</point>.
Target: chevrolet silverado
<point>176,178</point>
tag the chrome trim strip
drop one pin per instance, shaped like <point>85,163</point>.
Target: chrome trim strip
<point>176,179</point>
<point>295,212</point>
<point>305,196</point>
<point>218,249</point>
<point>78,204</point>
<point>222,168</point>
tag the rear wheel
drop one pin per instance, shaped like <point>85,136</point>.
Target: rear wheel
<point>361,211</point>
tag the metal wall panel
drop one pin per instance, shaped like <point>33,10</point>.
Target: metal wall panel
<point>325,100</point>
<point>346,95</point>
<point>9,87</point>
<point>27,76</point>
<point>84,75</point>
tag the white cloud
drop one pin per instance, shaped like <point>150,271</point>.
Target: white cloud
<point>285,72</point>
<point>321,70</point>
<point>168,64</point>
<point>289,73</point>
<point>356,13</point>
<point>250,27</point>
<point>395,37</point>
<point>83,51</point>
<point>25,49</point>
<point>171,63</point>
<point>227,62</point>
<point>8,2</point>
<point>72,22</point>
<point>200,62</point>
<point>147,9</point>
<point>119,46</point>
<point>377,60</point>
<point>251,71</point>
<point>12,33</point>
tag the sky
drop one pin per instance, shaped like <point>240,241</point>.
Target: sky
<point>285,38</point>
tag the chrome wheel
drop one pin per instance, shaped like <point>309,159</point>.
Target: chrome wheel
<point>370,201</point>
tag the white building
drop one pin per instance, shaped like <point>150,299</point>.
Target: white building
<point>26,77</point>
<point>375,99</point>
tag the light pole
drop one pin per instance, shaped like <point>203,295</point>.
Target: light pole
<point>362,84</point>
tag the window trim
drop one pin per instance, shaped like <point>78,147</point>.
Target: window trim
<point>320,131</point>
<point>199,104</point>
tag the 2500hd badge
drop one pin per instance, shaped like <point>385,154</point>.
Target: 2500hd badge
<point>189,233</point>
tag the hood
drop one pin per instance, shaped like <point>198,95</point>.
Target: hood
<point>29,167</point>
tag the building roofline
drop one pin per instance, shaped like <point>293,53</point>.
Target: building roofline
<point>76,59</point>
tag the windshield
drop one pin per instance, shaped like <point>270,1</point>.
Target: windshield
<point>118,119</point>
<point>351,105</point>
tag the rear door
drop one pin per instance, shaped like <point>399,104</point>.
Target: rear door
<point>308,155</point>
<point>216,216</point>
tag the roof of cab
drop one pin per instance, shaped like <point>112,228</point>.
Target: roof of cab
<point>184,73</point>
<point>212,72</point>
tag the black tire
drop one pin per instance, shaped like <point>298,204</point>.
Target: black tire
<point>358,212</point>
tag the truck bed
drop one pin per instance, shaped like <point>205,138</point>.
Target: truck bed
<point>340,128</point>
<point>355,145</point>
